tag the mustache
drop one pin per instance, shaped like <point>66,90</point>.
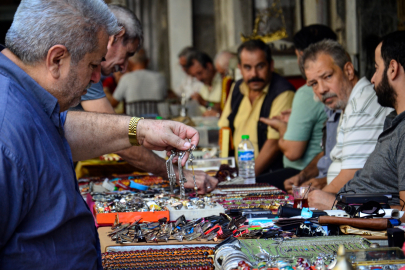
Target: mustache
<point>328,95</point>
<point>255,79</point>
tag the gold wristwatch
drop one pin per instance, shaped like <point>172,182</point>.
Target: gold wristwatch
<point>133,124</point>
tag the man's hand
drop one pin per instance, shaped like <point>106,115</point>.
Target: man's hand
<point>205,183</point>
<point>166,135</point>
<point>321,200</point>
<point>198,98</point>
<point>275,123</point>
<point>211,113</point>
<point>285,115</point>
<point>317,183</point>
<point>296,180</point>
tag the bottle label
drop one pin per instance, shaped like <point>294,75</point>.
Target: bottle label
<point>246,155</point>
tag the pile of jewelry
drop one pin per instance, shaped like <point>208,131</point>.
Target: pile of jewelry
<point>267,202</point>
<point>172,175</point>
<point>193,203</point>
<point>303,252</point>
<point>123,202</point>
<point>169,259</point>
<point>209,228</point>
<point>248,190</point>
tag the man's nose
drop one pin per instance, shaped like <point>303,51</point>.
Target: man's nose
<point>255,72</point>
<point>322,88</point>
<point>373,79</point>
<point>96,74</point>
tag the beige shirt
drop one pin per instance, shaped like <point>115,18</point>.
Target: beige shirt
<point>248,115</point>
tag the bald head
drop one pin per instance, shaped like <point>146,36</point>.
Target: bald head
<point>221,62</point>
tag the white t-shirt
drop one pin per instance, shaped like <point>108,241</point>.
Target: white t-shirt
<point>359,127</point>
<point>141,85</point>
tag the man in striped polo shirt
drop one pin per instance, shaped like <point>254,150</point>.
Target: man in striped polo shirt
<point>334,80</point>
<point>384,171</point>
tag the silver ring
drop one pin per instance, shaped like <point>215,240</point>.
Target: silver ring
<point>208,187</point>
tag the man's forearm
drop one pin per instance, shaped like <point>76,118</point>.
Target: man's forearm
<point>340,180</point>
<point>311,170</point>
<point>93,134</point>
<point>267,155</point>
<point>145,159</point>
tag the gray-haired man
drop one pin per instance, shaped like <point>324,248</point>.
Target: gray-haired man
<point>120,47</point>
<point>54,50</point>
<point>334,80</point>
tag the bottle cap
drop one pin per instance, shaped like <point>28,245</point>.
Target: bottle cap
<point>245,137</point>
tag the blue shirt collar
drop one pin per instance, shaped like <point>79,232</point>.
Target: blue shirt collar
<point>30,87</point>
<point>332,115</point>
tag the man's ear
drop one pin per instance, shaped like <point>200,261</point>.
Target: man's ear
<point>57,56</point>
<point>272,65</point>
<point>393,70</point>
<point>210,66</point>
<point>120,34</point>
<point>349,70</point>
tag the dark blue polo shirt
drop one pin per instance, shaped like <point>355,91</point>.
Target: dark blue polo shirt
<point>44,222</point>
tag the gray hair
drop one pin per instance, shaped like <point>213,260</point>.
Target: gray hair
<point>127,19</point>
<point>222,59</point>
<point>187,51</point>
<point>39,25</point>
<point>329,47</point>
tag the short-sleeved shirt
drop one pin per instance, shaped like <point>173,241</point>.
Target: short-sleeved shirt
<point>212,93</point>
<point>248,115</point>
<point>384,171</point>
<point>331,126</point>
<point>359,127</point>
<point>305,124</point>
<point>95,91</point>
<point>141,85</point>
<point>45,223</point>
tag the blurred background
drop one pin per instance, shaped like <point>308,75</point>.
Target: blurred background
<point>215,25</point>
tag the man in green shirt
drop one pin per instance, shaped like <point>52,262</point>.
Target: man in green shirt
<point>301,129</point>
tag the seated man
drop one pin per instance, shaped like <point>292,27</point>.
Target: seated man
<point>384,169</point>
<point>200,66</point>
<point>331,74</point>
<point>300,135</point>
<point>261,93</point>
<point>140,84</point>
<point>120,47</point>
<point>189,85</point>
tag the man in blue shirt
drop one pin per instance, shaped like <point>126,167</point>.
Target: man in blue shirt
<point>45,224</point>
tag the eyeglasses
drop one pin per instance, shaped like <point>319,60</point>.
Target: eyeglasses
<point>370,209</point>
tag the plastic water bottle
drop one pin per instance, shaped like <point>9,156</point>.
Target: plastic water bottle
<point>246,160</point>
